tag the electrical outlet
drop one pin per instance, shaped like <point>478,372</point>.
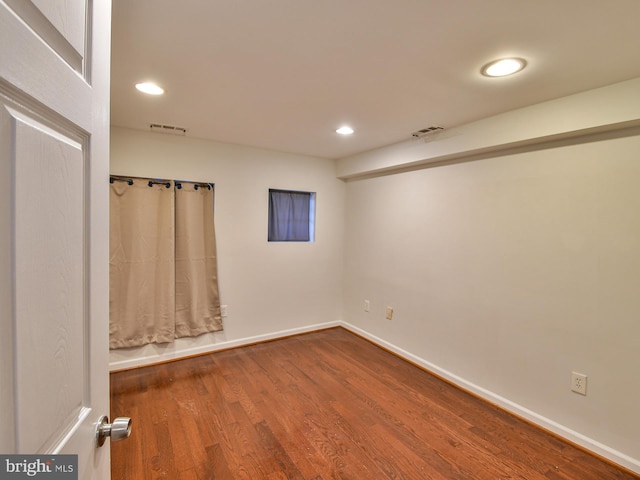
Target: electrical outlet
<point>389,313</point>
<point>223,311</point>
<point>579,383</point>
<point>367,305</point>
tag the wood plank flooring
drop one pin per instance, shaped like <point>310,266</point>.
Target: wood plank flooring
<point>320,406</point>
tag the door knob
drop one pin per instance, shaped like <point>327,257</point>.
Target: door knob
<point>118,430</point>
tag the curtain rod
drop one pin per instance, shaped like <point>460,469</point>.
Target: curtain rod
<point>160,182</point>
<point>121,179</point>
<point>166,183</point>
<point>195,185</point>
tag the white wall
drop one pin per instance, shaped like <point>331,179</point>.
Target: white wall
<point>507,273</point>
<point>270,288</point>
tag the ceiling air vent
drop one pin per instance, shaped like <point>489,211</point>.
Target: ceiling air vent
<point>426,131</point>
<point>171,129</point>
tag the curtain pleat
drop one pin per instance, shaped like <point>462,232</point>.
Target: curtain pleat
<point>197,296</point>
<point>141,282</point>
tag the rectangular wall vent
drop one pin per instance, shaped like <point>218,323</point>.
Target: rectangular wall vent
<point>171,129</point>
<point>426,131</point>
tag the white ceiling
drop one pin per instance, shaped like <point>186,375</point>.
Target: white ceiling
<point>284,74</point>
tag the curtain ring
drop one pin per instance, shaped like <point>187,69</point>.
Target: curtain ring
<point>178,186</point>
<point>195,187</point>
<point>130,182</point>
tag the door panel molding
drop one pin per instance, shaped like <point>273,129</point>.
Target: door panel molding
<point>50,268</point>
<point>52,35</point>
<point>63,90</point>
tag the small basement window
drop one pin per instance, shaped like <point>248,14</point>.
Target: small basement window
<point>291,216</point>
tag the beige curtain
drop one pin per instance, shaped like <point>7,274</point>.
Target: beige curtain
<point>197,297</point>
<point>141,265</point>
<point>163,271</point>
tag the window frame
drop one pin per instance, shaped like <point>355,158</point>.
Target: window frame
<point>271,237</point>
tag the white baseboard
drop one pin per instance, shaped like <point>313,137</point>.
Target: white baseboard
<point>142,361</point>
<point>590,444</point>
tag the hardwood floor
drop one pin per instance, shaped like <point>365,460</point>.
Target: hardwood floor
<point>325,405</point>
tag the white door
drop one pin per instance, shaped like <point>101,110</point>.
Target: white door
<point>54,121</point>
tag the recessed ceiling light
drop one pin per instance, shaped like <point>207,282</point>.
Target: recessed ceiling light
<point>503,67</point>
<point>149,88</point>
<point>345,130</point>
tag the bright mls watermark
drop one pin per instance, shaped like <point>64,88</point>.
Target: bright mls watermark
<point>49,467</point>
